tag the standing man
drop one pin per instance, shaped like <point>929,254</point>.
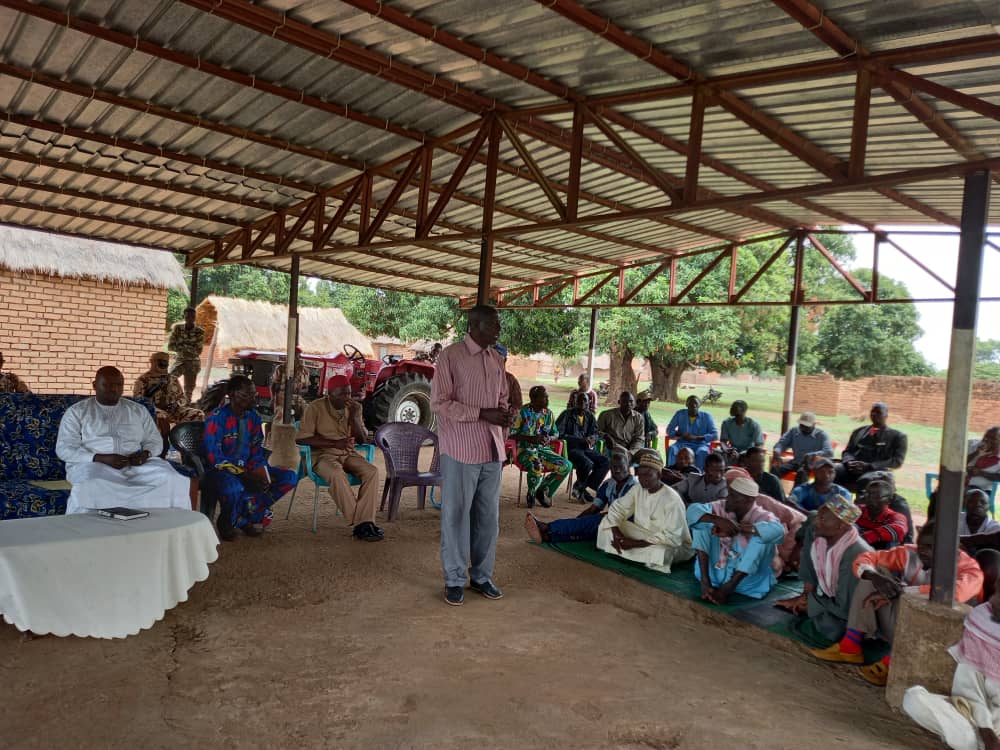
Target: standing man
<point>11,383</point>
<point>331,427</point>
<point>873,447</point>
<point>186,340</point>
<point>469,397</point>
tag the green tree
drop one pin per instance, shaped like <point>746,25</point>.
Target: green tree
<point>987,365</point>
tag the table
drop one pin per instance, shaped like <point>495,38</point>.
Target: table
<point>88,575</point>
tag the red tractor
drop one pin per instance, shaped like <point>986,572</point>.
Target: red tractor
<point>391,389</point>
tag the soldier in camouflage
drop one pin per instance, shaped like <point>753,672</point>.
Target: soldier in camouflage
<point>11,383</point>
<point>186,340</point>
<point>165,391</point>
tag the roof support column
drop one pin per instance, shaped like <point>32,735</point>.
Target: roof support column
<point>194,287</point>
<point>594,311</point>
<point>793,337</point>
<point>489,201</point>
<point>293,340</point>
<point>975,208</point>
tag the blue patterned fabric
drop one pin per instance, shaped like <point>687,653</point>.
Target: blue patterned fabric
<point>29,425</point>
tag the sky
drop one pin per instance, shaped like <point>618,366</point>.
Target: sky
<point>940,254</point>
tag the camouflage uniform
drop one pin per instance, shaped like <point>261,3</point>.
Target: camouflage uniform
<point>11,383</point>
<point>167,396</point>
<point>278,389</point>
<point>187,345</point>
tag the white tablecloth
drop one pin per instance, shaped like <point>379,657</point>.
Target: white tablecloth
<point>87,575</point>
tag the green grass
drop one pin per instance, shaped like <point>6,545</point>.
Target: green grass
<point>765,401</point>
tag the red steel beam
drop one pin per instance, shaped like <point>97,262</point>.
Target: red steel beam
<point>390,202</point>
<point>456,178</point>
<point>702,274</point>
<point>848,277</point>
<point>762,270</point>
<point>859,124</point>
<point>945,93</point>
<point>532,165</point>
<point>695,128</point>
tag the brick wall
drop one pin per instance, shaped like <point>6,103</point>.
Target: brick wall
<point>55,332</point>
<point>917,400</point>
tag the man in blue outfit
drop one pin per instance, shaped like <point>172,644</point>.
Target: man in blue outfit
<point>807,442</point>
<point>814,495</point>
<point>694,429</point>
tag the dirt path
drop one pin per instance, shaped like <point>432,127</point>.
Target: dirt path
<point>316,641</point>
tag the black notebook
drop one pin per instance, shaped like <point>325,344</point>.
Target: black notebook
<point>122,514</point>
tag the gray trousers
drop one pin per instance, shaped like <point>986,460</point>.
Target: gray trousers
<point>872,622</point>
<point>470,520</point>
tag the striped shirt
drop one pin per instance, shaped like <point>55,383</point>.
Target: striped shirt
<point>469,378</point>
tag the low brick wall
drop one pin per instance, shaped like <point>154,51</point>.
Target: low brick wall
<point>55,332</point>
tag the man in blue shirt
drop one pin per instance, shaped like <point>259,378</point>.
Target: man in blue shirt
<point>694,429</point>
<point>807,442</point>
<point>813,496</point>
<point>584,526</point>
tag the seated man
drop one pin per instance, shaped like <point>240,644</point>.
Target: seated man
<point>110,446</point>
<point>583,386</point>
<point>647,525</point>
<point>806,442</point>
<point>883,575</point>
<point>982,464</point>
<point>753,461</point>
<point>830,545</point>
<point>786,555</point>
<point>873,447</point>
<point>584,526</point>
<point>694,429</point>
<point>975,519</point>
<point>898,503</point>
<point>880,526</point>
<point>331,427</point>
<point>740,433</point>
<point>812,496</point>
<point>165,390</point>
<point>578,427</point>
<point>681,467</point>
<point>968,719</point>
<point>11,383</point>
<point>704,488</point>
<point>623,427</point>
<point>533,428</point>
<point>735,540</point>
<point>650,428</point>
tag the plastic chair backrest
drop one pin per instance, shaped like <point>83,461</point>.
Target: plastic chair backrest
<point>929,478</point>
<point>400,442</point>
<point>189,439</point>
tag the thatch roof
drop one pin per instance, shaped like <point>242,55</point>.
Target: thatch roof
<point>24,251</point>
<point>244,324</point>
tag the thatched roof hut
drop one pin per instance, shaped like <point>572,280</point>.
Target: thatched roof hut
<point>245,324</point>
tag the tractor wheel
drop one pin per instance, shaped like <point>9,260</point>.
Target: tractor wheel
<point>403,398</point>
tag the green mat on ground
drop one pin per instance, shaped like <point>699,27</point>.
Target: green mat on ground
<point>681,582</point>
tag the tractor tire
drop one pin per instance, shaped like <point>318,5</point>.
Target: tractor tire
<point>403,398</point>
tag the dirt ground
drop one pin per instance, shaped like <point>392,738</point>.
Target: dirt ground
<point>317,641</point>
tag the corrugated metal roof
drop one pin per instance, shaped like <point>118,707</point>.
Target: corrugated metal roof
<point>161,124</point>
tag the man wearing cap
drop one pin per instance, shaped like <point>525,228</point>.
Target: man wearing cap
<point>165,390</point>
<point>735,540</point>
<point>812,496</point>
<point>186,340</point>
<point>691,428</point>
<point>578,427</point>
<point>880,525</point>
<point>622,427</point>
<point>830,546</point>
<point>332,426</point>
<point>806,441</point>
<point>873,447</point>
<point>642,401</point>
<point>647,525</point>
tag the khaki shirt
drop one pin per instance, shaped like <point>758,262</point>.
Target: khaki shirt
<point>186,343</point>
<point>625,432</point>
<point>322,420</point>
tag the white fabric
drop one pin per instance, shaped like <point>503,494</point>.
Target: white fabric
<point>88,428</point>
<point>988,527</point>
<point>658,518</point>
<point>86,575</point>
<point>974,703</point>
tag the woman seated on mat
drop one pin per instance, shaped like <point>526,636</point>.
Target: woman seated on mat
<point>239,477</point>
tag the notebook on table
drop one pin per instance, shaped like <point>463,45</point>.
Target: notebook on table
<point>122,514</point>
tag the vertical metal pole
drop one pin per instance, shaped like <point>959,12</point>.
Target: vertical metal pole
<point>194,287</point>
<point>293,338</point>
<point>593,344</point>
<point>793,338</point>
<point>489,194</point>
<point>975,207</point>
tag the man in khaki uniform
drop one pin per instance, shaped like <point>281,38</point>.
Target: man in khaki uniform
<point>187,339</point>
<point>332,426</point>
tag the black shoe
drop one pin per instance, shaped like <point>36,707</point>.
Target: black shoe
<point>586,497</point>
<point>454,595</point>
<point>227,532</point>
<point>487,589</point>
<point>529,501</point>
<point>366,533</point>
<point>542,500</point>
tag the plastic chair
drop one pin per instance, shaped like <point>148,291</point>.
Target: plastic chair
<point>555,445</point>
<point>400,443</point>
<point>188,438</point>
<point>306,470</point>
<point>992,494</point>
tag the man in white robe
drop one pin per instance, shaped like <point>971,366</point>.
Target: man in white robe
<point>109,446</point>
<point>657,534</point>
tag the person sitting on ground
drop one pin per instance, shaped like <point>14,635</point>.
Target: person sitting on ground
<point>111,446</point>
<point>968,719</point>
<point>332,426</point>
<point>873,447</point>
<point>883,575</point>
<point>692,428</point>
<point>650,428</point>
<point>739,433</point>
<point>513,386</point>
<point>898,503</point>
<point>975,519</point>
<point>623,427</point>
<point>735,540</point>
<point>807,442</point>
<point>583,386</point>
<point>584,526</point>
<point>682,466</point>
<point>812,496</point>
<point>786,556</point>
<point>533,429</point>
<point>983,463</point>
<point>831,543</point>
<point>753,461</point>
<point>647,525</point>
<point>707,487</point>
<point>238,474</point>
<point>165,390</point>
<point>880,526</point>
<point>578,427</point>
<point>11,383</point>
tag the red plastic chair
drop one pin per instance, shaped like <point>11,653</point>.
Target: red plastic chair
<point>400,443</point>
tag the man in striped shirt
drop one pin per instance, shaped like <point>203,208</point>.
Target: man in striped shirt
<point>470,398</point>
